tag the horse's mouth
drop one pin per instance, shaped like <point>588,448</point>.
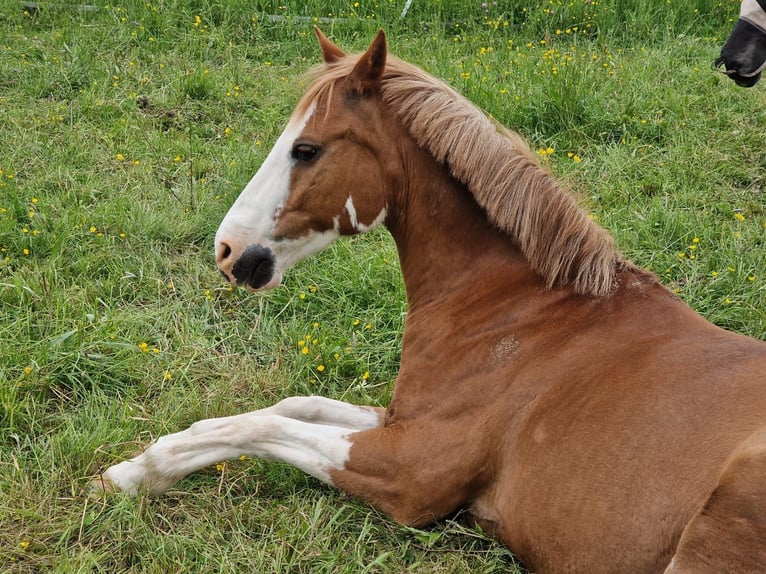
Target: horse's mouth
<point>746,81</point>
<point>739,77</point>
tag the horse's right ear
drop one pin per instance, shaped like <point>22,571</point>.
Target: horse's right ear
<point>330,52</point>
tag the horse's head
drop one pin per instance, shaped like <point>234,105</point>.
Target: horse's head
<point>324,177</point>
<point>744,54</point>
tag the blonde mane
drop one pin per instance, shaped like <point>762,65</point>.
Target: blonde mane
<point>520,197</point>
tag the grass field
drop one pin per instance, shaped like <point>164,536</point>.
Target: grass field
<point>127,130</point>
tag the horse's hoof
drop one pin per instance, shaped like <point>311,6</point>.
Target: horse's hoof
<point>100,487</point>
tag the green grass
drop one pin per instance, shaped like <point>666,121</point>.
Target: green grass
<point>128,131</point>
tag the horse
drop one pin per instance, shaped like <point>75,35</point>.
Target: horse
<point>744,53</point>
<point>551,392</point>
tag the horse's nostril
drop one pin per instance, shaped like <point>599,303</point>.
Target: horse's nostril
<point>222,252</point>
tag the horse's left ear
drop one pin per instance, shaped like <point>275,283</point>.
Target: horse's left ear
<point>366,75</point>
<point>330,52</point>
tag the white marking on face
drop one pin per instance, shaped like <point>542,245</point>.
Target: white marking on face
<point>375,222</point>
<point>358,225</point>
<point>288,252</point>
<point>252,218</point>
<point>351,210</point>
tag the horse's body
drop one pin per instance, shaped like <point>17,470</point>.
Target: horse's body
<point>744,54</point>
<point>570,403</point>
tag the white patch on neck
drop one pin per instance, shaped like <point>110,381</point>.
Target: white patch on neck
<point>356,224</point>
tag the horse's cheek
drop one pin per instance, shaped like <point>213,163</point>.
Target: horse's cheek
<point>291,225</point>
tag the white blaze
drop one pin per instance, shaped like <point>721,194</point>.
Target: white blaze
<point>252,218</point>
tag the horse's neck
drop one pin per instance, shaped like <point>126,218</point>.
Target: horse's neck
<point>467,284</point>
<point>448,249</point>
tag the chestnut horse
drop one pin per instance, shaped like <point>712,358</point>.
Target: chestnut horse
<point>560,396</point>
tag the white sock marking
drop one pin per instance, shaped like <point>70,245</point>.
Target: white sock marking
<point>311,433</point>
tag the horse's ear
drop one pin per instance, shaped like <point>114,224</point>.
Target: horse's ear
<point>368,71</point>
<point>330,52</point>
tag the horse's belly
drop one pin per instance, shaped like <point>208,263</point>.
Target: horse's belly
<point>566,535</point>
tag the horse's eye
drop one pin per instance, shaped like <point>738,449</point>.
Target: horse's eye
<point>304,152</point>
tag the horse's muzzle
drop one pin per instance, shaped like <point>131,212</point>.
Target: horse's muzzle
<point>739,79</point>
<point>254,268</point>
<point>744,54</point>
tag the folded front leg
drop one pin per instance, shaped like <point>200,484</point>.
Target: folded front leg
<point>311,433</point>
<point>416,472</point>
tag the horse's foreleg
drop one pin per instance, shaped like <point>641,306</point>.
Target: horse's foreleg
<point>311,433</point>
<point>416,472</point>
<point>325,411</point>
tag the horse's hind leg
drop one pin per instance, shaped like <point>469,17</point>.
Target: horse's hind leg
<point>728,535</point>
